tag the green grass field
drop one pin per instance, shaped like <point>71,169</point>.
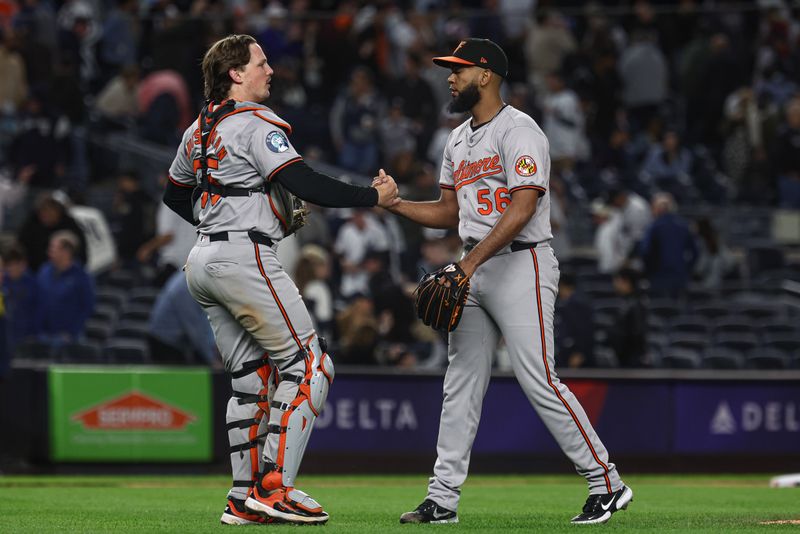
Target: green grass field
<point>372,504</point>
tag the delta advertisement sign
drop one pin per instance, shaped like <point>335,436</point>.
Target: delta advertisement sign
<point>401,414</point>
<point>130,415</point>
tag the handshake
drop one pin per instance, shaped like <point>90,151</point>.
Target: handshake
<point>387,190</point>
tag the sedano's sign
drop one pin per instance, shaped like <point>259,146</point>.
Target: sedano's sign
<point>134,411</point>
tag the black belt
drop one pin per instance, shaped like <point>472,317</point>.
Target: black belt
<point>228,191</point>
<point>515,246</point>
<point>255,237</point>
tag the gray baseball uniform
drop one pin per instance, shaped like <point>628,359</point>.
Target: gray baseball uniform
<point>261,325</point>
<point>512,295</point>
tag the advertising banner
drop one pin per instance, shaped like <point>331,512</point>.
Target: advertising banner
<point>401,414</point>
<point>129,414</point>
<point>735,417</point>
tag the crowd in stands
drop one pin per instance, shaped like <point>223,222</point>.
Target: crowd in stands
<point>649,107</point>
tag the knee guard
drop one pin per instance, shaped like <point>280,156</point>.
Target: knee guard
<point>303,383</point>
<point>254,386</point>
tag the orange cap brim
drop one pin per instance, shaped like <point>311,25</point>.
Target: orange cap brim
<point>446,61</point>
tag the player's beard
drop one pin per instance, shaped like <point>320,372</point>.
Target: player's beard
<point>465,100</point>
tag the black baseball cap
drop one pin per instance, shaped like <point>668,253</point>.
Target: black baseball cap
<point>477,53</point>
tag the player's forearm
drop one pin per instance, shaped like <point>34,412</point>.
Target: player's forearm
<point>508,226</point>
<point>434,214</point>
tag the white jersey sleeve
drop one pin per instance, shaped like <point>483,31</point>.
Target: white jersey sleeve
<point>526,158</point>
<point>180,172</point>
<point>270,148</point>
<point>446,180</point>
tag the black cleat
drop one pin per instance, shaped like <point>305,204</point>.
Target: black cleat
<point>598,508</point>
<point>429,512</point>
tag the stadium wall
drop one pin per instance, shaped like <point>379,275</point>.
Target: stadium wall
<point>384,421</point>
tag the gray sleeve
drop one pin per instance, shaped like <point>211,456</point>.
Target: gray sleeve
<point>526,158</point>
<point>446,173</point>
<point>181,169</point>
<point>271,150</point>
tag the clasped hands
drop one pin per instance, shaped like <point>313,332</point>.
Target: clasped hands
<point>387,190</point>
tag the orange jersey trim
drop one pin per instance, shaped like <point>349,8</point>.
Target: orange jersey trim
<point>279,124</point>
<point>538,188</point>
<point>175,182</point>
<point>450,187</point>
<point>550,379</point>
<point>273,173</point>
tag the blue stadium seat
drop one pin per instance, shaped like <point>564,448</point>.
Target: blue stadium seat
<point>689,340</point>
<point>710,310</point>
<point>677,358</point>
<point>131,329</point>
<point>787,341</point>
<point>722,358</point>
<point>80,352</point>
<point>767,358</point>
<point>98,329</point>
<point>127,350</point>
<point>742,341</point>
<point>695,324</point>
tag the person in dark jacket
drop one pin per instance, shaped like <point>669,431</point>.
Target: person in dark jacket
<point>48,217</point>
<point>66,292</point>
<point>668,250</point>
<point>627,336</point>
<point>575,338</point>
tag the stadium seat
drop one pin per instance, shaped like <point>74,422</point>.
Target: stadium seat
<point>688,340</point>
<point>678,358</point>
<point>111,296</point>
<point>755,310</point>
<point>722,358</point>
<point>127,350</point>
<point>105,312</point>
<point>654,322</point>
<point>136,312</point>
<point>701,295</point>
<point>131,329</point>
<point>33,349</point>
<point>710,310</point>
<point>767,358</point>
<point>768,326</point>
<point>80,352</point>
<point>742,341</point>
<point>734,324</point>
<point>605,358</point>
<point>98,329</point>
<point>121,278</point>
<point>664,308</point>
<point>695,324</point>
<point>598,291</point>
<point>764,258</point>
<point>787,341</point>
<point>143,295</point>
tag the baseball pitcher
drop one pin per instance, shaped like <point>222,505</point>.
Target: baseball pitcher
<point>494,189</point>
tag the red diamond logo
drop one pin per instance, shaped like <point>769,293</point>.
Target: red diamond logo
<point>134,411</point>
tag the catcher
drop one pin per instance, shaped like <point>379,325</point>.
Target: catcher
<point>233,177</point>
<point>494,188</point>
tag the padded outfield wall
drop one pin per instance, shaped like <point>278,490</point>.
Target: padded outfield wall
<point>382,421</point>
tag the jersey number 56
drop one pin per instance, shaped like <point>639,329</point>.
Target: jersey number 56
<point>501,200</point>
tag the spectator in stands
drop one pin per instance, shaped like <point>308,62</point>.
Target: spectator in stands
<point>668,249</point>
<point>312,275</point>
<point>559,206</point>
<point>355,119</point>
<point>416,100</point>
<point>668,166</point>
<point>645,81</point>
<point>548,42</point>
<point>164,107</point>
<point>132,217</point>
<point>101,251</point>
<point>627,335</point>
<point>21,297</point>
<point>714,260</point>
<point>41,144</point>
<point>635,214</point>
<point>172,242</point>
<point>575,338</point>
<point>12,192</point>
<point>358,332</point>
<point>13,80</point>
<point>787,158</point>
<point>66,292</point>
<point>178,329</point>
<point>564,123</point>
<point>49,216</point>
<point>608,241</point>
<point>117,102</point>
<point>358,236</point>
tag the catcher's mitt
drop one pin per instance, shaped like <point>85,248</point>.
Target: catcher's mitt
<point>290,210</point>
<point>439,306</point>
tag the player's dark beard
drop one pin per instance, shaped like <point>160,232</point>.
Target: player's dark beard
<point>465,100</point>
